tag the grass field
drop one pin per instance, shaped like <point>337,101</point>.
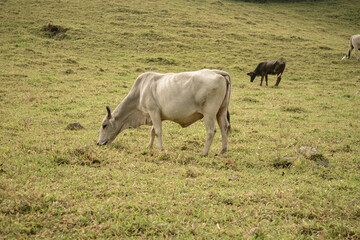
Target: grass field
<point>56,183</point>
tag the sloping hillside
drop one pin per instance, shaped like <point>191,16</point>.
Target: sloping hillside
<point>64,61</point>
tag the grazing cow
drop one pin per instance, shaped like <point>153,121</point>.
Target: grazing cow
<point>265,68</point>
<point>183,98</point>
<point>354,43</point>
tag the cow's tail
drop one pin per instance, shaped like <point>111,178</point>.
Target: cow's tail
<point>282,68</point>
<point>227,97</point>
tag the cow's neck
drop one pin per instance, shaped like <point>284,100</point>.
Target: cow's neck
<point>127,114</point>
<point>124,108</point>
<point>257,72</point>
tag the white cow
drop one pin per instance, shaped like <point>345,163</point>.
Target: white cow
<point>354,43</point>
<point>183,98</point>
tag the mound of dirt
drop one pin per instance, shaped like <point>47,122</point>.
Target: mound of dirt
<point>74,126</point>
<point>54,31</point>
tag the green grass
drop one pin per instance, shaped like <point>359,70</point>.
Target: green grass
<point>56,183</point>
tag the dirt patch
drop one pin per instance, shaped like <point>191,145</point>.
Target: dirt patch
<point>161,60</point>
<point>281,163</point>
<point>74,126</point>
<point>293,109</point>
<point>54,31</point>
<point>248,99</point>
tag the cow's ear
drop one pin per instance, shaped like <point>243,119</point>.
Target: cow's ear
<point>248,74</point>
<point>108,111</point>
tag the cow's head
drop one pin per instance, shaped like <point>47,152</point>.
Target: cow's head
<point>109,129</point>
<point>252,76</point>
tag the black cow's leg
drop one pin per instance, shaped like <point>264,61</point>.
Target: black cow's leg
<point>278,80</point>
<point>266,79</point>
<point>262,78</point>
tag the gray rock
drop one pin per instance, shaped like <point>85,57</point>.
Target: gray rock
<point>307,151</point>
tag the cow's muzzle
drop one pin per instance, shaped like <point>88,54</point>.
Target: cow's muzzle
<point>101,144</point>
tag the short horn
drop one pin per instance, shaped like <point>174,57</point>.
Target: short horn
<point>108,111</point>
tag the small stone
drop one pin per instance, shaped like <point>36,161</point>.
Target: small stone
<point>322,163</point>
<point>254,231</point>
<point>69,71</point>
<point>307,151</point>
<point>234,177</point>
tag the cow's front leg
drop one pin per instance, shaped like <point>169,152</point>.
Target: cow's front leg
<point>210,133</point>
<point>356,54</point>
<point>156,128</point>
<point>152,137</point>
<point>262,78</point>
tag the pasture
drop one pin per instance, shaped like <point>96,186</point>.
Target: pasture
<point>63,61</point>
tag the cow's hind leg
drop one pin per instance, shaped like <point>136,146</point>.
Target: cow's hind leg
<point>210,133</point>
<point>224,128</point>
<point>266,79</point>
<point>152,137</point>
<point>278,80</point>
<point>156,129</point>
<point>356,53</point>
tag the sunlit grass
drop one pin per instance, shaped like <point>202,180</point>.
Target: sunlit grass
<point>56,183</point>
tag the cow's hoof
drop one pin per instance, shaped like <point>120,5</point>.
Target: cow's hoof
<point>204,154</point>
<point>223,151</point>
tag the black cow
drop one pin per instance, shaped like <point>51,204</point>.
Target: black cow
<point>265,68</point>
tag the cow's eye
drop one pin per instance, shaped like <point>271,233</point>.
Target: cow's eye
<point>104,126</point>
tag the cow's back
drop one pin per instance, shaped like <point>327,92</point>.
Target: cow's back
<point>180,97</point>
